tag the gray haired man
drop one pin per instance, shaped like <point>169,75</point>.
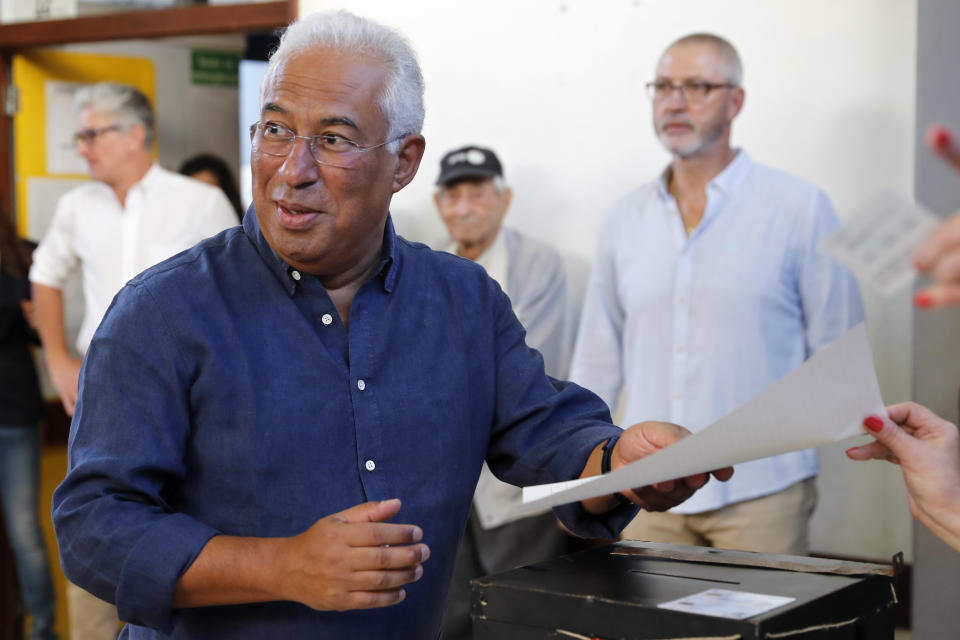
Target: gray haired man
<point>131,215</point>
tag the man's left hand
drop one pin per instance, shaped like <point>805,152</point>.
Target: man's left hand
<point>645,438</point>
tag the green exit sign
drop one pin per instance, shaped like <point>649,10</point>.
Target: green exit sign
<point>214,67</point>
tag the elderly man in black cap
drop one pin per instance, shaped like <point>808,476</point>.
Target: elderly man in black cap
<point>473,199</point>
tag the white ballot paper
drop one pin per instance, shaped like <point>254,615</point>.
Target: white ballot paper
<point>724,603</point>
<point>877,242</point>
<point>825,400</point>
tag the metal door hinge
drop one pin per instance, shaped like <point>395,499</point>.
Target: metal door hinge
<point>11,100</point>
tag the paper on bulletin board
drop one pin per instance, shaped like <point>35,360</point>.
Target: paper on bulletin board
<point>823,401</point>
<point>61,122</point>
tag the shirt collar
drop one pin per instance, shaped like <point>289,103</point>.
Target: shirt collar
<point>726,181</point>
<point>734,173</point>
<point>388,269</point>
<point>150,177</point>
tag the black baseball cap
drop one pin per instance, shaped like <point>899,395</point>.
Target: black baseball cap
<point>469,162</point>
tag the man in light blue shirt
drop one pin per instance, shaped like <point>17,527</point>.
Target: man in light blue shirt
<point>708,286</point>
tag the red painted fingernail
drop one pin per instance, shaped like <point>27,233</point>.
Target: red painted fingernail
<point>923,300</point>
<point>873,423</point>
<point>939,137</point>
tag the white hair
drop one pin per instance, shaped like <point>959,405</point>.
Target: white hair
<point>401,101</point>
<point>124,105</point>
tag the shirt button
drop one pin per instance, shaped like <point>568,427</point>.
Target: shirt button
<point>361,385</point>
<point>326,319</point>
<point>680,300</point>
<point>679,348</point>
<point>295,275</point>
<point>371,465</point>
<point>676,397</point>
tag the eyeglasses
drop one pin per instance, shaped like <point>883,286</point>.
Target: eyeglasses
<point>89,136</point>
<point>691,90</point>
<point>328,149</point>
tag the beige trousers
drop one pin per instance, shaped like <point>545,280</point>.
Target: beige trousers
<point>777,523</point>
<point>90,617</point>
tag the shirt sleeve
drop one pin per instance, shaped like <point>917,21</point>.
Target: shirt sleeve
<point>541,308</point>
<point>545,429</point>
<point>829,293</point>
<point>598,355</point>
<point>119,537</point>
<point>55,258</point>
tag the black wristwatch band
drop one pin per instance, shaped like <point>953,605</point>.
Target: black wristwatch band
<point>607,454</point>
<point>605,466</point>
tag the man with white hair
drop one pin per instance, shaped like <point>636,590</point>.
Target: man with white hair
<point>254,411</point>
<point>708,285</point>
<point>130,216</point>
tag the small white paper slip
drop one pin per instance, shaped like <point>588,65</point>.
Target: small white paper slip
<point>723,603</point>
<point>877,242</point>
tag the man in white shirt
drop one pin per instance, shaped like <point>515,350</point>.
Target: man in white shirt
<point>132,215</point>
<point>473,199</point>
<point>709,285</point>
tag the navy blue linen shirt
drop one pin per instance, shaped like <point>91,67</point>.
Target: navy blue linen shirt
<point>223,394</point>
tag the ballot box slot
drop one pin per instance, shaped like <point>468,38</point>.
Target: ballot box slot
<point>676,575</point>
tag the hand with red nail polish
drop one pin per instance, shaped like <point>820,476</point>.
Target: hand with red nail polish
<point>927,448</point>
<point>939,254</point>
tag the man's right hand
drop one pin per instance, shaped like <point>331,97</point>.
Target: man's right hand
<point>65,374</point>
<point>353,559</point>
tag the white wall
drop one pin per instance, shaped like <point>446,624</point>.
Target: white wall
<point>556,88</point>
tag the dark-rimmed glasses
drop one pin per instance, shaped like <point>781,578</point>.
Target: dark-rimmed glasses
<point>89,136</point>
<point>691,90</point>
<point>329,149</point>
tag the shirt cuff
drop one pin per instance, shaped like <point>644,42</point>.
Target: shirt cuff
<point>152,568</point>
<point>581,522</point>
<point>607,525</point>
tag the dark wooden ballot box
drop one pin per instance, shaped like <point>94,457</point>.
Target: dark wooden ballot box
<point>615,591</point>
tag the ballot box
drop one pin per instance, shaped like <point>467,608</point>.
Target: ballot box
<point>646,591</point>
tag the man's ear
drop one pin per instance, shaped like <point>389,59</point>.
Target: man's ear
<point>408,160</point>
<point>506,197</point>
<point>736,102</point>
<point>138,134</point>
